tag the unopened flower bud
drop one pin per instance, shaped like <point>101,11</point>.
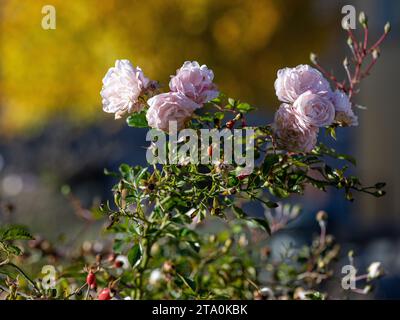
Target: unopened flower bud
<point>367,289</point>
<point>388,27</point>
<point>238,117</point>
<point>363,19</point>
<point>350,41</point>
<point>346,62</point>
<point>313,58</point>
<point>375,270</point>
<point>375,54</point>
<point>322,216</point>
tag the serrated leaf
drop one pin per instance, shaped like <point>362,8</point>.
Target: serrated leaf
<point>15,233</point>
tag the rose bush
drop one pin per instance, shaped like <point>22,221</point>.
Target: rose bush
<point>161,246</point>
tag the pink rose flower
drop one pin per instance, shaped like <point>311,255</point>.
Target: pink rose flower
<point>195,82</point>
<point>314,110</point>
<point>171,106</point>
<point>344,111</point>
<point>292,82</point>
<point>122,86</point>
<point>289,135</point>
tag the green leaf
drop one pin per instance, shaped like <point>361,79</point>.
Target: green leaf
<point>137,120</point>
<point>244,107</point>
<point>117,246</point>
<point>15,233</point>
<point>134,255</point>
<point>279,192</point>
<point>188,282</point>
<point>269,162</point>
<point>125,169</point>
<point>207,117</point>
<point>331,131</point>
<point>219,115</point>
<point>315,296</point>
<point>8,270</point>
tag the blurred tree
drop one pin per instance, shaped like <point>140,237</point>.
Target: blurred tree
<point>47,73</point>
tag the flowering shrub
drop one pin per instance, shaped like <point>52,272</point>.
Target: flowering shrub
<point>161,246</point>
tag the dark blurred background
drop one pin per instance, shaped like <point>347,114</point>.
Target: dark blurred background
<point>54,134</point>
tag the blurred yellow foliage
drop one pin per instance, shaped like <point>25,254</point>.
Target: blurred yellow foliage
<point>57,73</point>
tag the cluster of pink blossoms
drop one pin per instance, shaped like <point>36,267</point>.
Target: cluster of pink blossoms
<point>308,103</point>
<point>190,88</point>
